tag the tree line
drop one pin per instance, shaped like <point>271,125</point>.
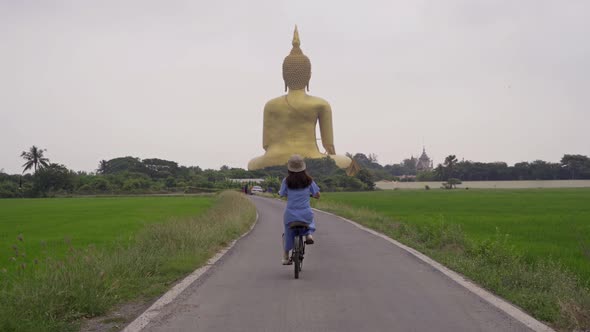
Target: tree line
<point>571,166</point>
<point>131,175</point>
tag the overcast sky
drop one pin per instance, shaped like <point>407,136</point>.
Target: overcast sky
<point>187,80</point>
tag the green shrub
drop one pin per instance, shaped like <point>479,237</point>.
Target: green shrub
<point>9,189</point>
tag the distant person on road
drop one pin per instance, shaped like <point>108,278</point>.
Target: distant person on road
<point>298,187</point>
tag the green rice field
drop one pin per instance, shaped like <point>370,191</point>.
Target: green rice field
<point>540,223</point>
<point>54,224</point>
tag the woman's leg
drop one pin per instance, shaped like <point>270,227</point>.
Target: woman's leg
<point>287,245</point>
<point>288,238</point>
<point>285,253</point>
<point>310,230</point>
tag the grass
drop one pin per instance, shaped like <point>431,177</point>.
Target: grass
<point>540,223</point>
<point>529,246</point>
<point>56,293</point>
<point>55,224</point>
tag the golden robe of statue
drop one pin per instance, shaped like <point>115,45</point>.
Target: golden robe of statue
<point>290,120</point>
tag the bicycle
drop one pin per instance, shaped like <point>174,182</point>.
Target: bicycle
<point>299,228</point>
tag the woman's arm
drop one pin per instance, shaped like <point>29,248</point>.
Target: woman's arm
<point>283,191</point>
<point>314,190</point>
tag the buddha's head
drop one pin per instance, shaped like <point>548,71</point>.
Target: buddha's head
<point>296,67</point>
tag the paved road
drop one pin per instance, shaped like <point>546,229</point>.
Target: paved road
<point>351,281</point>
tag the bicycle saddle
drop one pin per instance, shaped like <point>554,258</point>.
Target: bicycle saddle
<point>298,224</point>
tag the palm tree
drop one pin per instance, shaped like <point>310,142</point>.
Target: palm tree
<point>34,158</point>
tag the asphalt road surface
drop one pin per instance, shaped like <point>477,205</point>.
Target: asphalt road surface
<point>351,281</point>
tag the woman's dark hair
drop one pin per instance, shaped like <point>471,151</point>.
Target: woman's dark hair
<point>298,180</point>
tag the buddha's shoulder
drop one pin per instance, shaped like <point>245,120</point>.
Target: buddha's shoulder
<point>317,101</point>
<point>275,101</point>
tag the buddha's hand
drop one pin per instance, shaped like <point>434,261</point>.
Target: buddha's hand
<point>330,148</point>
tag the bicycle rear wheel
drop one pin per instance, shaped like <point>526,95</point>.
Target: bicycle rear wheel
<point>296,256</point>
<point>301,252</point>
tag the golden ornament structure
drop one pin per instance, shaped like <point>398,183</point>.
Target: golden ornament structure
<point>290,120</point>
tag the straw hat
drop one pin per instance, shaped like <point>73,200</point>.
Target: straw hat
<point>296,163</point>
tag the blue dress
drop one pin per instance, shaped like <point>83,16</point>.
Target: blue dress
<point>298,209</point>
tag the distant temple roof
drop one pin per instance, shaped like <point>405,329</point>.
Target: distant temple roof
<point>424,163</point>
<point>424,156</point>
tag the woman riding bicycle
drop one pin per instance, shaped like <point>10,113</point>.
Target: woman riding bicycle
<point>298,187</point>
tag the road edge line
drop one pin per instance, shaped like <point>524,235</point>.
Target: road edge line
<point>147,316</point>
<point>496,301</point>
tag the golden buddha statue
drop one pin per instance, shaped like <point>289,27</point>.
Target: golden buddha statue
<point>290,120</point>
